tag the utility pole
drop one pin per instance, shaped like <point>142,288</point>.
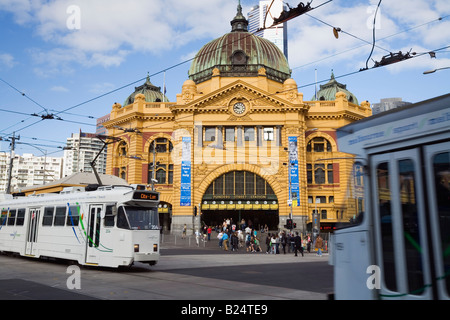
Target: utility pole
<point>11,159</point>
<point>154,165</point>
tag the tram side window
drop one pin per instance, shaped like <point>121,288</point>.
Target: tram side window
<point>3,217</point>
<point>48,216</point>
<point>12,217</point>
<point>20,217</point>
<point>60,216</point>
<point>109,217</point>
<point>387,239</point>
<point>73,216</point>
<point>441,166</point>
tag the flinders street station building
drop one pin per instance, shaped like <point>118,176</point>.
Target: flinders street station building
<point>240,141</point>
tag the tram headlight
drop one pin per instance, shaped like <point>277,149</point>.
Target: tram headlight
<point>136,248</point>
<point>155,247</point>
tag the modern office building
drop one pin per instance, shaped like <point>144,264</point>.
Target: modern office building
<point>388,104</point>
<point>100,129</point>
<point>258,17</point>
<point>239,142</point>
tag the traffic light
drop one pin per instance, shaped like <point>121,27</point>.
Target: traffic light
<point>295,225</point>
<point>289,224</point>
<point>195,211</point>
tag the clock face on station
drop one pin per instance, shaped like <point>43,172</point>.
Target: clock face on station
<point>239,108</point>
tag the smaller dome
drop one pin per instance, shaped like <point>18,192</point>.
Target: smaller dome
<point>151,93</point>
<point>290,83</point>
<point>328,91</point>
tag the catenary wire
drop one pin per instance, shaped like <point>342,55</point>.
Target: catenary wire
<point>367,42</point>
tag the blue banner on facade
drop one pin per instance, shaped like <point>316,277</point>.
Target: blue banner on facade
<point>294,193</point>
<point>185,189</point>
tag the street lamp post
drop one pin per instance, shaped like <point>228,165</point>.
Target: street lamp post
<point>433,71</point>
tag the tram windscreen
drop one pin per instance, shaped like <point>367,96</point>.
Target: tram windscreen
<point>138,218</point>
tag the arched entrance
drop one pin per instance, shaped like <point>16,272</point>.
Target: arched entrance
<point>240,195</point>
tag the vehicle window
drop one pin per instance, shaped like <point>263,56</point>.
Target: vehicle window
<point>408,199</point>
<point>109,218</point>
<point>12,217</point>
<point>3,217</point>
<point>20,217</point>
<point>48,216</point>
<point>137,218</point>
<point>143,218</point>
<point>73,216</point>
<point>60,216</point>
<point>441,167</point>
<point>122,221</point>
<point>387,239</point>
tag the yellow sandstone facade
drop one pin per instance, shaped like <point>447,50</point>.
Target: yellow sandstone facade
<point>235,132</point>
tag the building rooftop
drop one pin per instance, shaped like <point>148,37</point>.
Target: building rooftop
<point>328,91</point>
<point>239,53</point>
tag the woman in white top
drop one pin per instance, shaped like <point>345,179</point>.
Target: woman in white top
<point>273,241</point>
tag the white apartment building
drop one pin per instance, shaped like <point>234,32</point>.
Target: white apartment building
<point>81,150</point>
<point>29,170</point>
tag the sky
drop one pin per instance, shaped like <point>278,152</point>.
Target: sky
<point>76,58</point>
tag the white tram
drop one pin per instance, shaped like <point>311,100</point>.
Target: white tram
<point>110,226</point>
<point>399,245</point>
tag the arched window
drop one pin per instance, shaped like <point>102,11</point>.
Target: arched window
<point>239,183</point>
<point>123,173</point>
<point>321,173</point>
<point>319,144</point>
<point>161,145</point>
<point>163,171</point>
<point>122,149</point>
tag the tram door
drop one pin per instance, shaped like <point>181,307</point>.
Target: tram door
<point>400,221</point>
<point>32,231</point>
<point>93,241</point>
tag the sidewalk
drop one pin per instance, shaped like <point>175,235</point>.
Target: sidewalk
<point>171,241</point>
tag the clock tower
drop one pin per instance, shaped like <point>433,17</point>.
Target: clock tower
<point>239,142</point>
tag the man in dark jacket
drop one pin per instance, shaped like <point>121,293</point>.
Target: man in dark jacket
<point>298,244</point>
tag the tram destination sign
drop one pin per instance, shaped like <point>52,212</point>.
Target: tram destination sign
<point>143,195</point>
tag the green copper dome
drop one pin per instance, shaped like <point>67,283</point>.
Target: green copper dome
<point>328,91</point>
<point>151,93</point>
<point>239,54</point>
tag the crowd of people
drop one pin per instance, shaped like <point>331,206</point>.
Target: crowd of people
<point>234,237</point>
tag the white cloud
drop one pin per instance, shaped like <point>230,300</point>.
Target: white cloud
<point>59,89</point>
<point>110,30</point>
<point>100,88</point>
<point>312,43</point>
<point>7,60</point>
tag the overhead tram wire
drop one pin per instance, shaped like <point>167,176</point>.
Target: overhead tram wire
<point>314,83</point>
<point>373,33</point>
<point>23,94</point>
<point>367,42</point>
<point>46,116</point>
<point>47,140</point>
<point>134,82</point>
<point>353,73</point>
<point>343,31</point>
<point>35,115</point>
<point>168,68</point>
